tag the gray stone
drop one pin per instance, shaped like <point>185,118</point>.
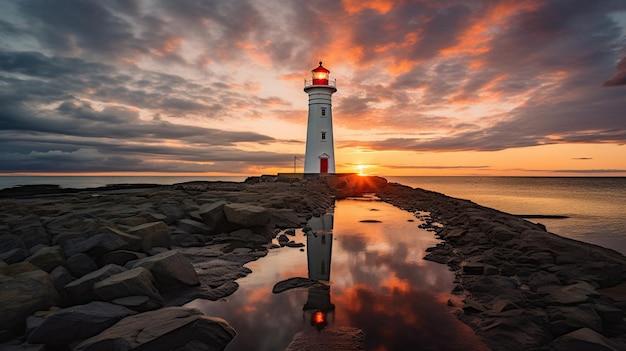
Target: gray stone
<point>153,234</point>
<point>213,213</point>
<point>134,282</point>
<point>570,294</point>
<point>121,257</point>
<point>170,269</point>
<point>216,272</point>
<point>80,264</point>
<point>138,303</point>
<point>191,226</point>
<point>585,339</point>
<point>565,319</point>
<point>78,323</point>
<point>297,282</point>
<point>18,268</point>
<point>248,236</point>
<point>134,241</point>
<point>172,213</point>
<point>283,240</point>
<point>162,330</point>
<point>30,231</point>
<point>61,277</point>
<point>247,215</point>
<point>22,295</point>
<point>47,258</point>
<point>14,255</point>
<point>81,290</point>
<point>9,242</point>
<point>99,244</point>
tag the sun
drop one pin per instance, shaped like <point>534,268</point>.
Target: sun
<point>362,169</point>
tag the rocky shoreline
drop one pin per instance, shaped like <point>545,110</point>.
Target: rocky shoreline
<point>94,269</point>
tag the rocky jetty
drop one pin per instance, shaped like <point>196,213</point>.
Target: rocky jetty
<point>523,288</point>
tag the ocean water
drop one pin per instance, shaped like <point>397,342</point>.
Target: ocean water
<point>596,206</point>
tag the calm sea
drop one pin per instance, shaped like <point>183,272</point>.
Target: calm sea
<point>596,206</point>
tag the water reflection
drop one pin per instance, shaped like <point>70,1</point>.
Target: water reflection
<point>379,282</point>
<point>319,247</point>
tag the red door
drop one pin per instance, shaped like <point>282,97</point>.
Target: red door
<point>323,165</point>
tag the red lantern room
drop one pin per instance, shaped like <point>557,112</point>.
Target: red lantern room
<point>320,75</point>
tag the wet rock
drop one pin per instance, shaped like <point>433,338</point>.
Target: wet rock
<point>170,269</point>
<point>77,323</point>
<point>333,338</point>
<point>286,218</point>
<point>138,303</point>
<point>296,282</point>
<point>134,282</point>
<point>153,234</point>
<point>216,272</point>
<point>294,244</point>
<point>283,240</point>
<point>247,215</point>
<point>164,329</point>
<point>22,295</point>
<point>248,236</point>
<point>80,264</point>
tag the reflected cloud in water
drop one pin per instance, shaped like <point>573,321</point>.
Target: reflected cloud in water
<point>379,282</point>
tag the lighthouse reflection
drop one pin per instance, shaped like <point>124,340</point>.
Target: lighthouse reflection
<point>318,306</point>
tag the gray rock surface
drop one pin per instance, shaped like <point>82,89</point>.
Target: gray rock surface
<point>170,269</point>
<point>213,213</point>
<point>247,215</point>
<point>332,339</point>
<point>81,290</point>
<point>153,234</point>
<point>47,258</point>
<point>80,264</point>
<point>164,329</point>
<point>77,323</point>
<point>134,282</point>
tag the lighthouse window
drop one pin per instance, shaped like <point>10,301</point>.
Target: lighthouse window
<point>323,111</point>
<point>323,135</point>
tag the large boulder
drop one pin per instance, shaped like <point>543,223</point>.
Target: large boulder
<point>80,264</point>
<point>22,295</point>
<point>81,290</point>
<point>98,244</point>
<point>213,213</point>
<point>172,213</point>
<point>14,255</point>
<point>47,258</point>
<point>190,226</point>
<point>153,234</point>
<point>247,215</point>
<point>29,230</point>
<point>585,339</point>
<point>135,282</point>
<point>170,269</point>
<point>77,323</point>
<point>134,241</point>
<point>121,257</point>
<point>164,329</point>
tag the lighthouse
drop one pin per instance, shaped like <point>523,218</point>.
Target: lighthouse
<point>320,146</point>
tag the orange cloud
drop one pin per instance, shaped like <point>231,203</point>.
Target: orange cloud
<point>381,6</point>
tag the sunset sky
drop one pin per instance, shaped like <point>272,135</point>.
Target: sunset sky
<point>428,87</point>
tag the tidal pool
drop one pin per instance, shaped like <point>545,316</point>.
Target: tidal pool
<point>379,282</point>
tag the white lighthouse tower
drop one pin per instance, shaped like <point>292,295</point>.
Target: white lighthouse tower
<point>320,146</point>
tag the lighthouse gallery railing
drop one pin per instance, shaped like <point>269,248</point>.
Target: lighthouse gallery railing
<point>309,82</point>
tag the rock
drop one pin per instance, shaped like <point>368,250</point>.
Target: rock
<point>213,213</point>
<point>134,241</point>
<point>191,226</point>
<point>170,269</point>
<point>121,257</point>
<point>565,319</point>
<point>133,221</point>
<point>134,282</point>
<point>47,258</point>
<point>216,272</point>
<point>472,307</point>
<point>22,295</point>
<point>248,236</point>
<point>333,338</point>
<point>294,244</point>
<point>247,215</point>
<point>570,294</point>
<point>99,244</point>
<point>585,339</point>
<point>61,277</point>
<point>164,329</point>
<point>297,282</point>
<point>81,290</point>
<point>286,218</point>
<point>283,240</point>
<point>138,303</point>
<point>80,264</point>
<point>153,234</point>
<point>172,213</point>
<point>77,323</point>
<point>18,268</point>
<point>29,230</point>
<point>14,255</point>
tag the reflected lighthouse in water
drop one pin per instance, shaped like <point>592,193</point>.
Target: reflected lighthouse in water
<point>319,253</point>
